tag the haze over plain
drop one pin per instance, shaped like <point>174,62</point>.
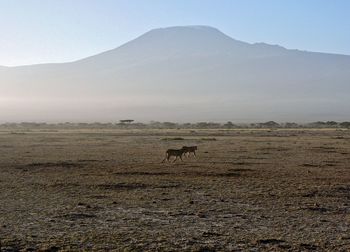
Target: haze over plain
<point>182,73</point>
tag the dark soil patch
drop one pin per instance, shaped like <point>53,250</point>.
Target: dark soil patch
<point>52,249</point>
<point>173,139</point>
<point>77,216</point>
<point>317,209</point>
<point>246,163</point>
<point>310,194</point>
<point>207,174</point>
<point>229,174</point>
<point>304,246</point>
<point>325,149</point>
<point>335,192</point>
<point>65,164</point>
<point>342,191</point>
<point>166,186</point>
<point>64,185</point>
<point>123,186</point>
<point>310,165</point>
<point>338,137</point>
<point>98,197</point>
<point>206,249</point>
<point>142,173</point>
<point>270,241</point>
<point>273,149</point>
<point>241,170</point>
<point>11,246</point>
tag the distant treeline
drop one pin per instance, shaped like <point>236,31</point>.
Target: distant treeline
<point>130,124</point>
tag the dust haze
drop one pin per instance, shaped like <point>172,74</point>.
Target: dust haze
<point>190,73</point>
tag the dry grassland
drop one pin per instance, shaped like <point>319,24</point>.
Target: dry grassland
<point>107,190</point>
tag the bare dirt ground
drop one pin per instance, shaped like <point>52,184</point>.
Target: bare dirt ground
<point>105,190</point>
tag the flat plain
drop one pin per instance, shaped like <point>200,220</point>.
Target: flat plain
<point>107,190</point>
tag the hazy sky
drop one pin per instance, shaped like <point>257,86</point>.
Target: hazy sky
<point>38,31</point>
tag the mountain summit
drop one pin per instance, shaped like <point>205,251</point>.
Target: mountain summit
<point>182,73</point>
<point>187,41</point>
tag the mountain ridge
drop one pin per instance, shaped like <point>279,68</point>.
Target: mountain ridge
<point>182,72</point>
<point>182,28</point>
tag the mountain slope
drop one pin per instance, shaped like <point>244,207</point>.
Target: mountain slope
<point>183,73</point>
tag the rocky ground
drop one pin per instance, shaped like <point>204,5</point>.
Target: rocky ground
<point>106,190</point>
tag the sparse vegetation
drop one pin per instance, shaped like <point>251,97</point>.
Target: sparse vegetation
<point>208,139</point>
<point>173,139</point>
<point>60,193</point>
<point>126,121</point>
<point>345,125</point>
<point>130,124</point>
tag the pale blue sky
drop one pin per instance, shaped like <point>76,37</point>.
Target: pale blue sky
<point>38,31</point>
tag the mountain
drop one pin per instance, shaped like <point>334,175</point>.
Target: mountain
<point>189,73</point>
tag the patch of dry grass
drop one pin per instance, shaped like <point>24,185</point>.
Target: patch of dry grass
<point>70,190</point>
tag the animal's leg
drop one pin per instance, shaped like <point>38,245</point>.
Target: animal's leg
<point>175,159</point>
<point>181,158</point>
<point>166,158</point>
<point>194,153</point>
